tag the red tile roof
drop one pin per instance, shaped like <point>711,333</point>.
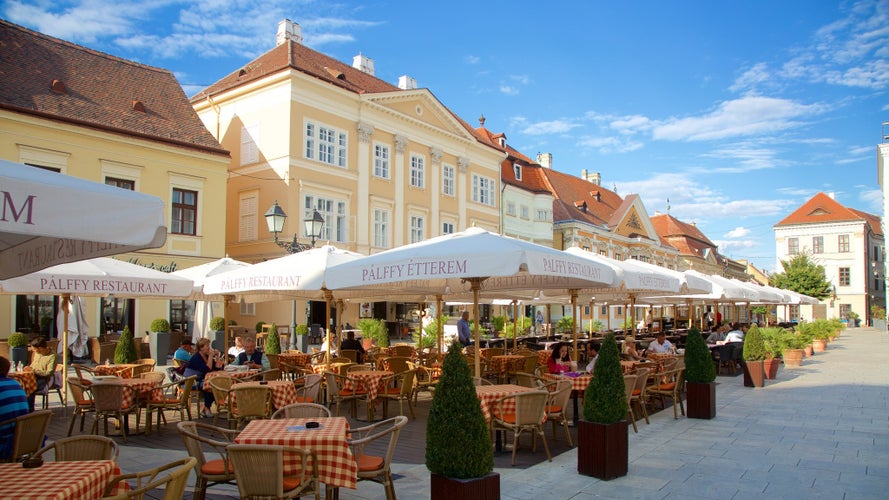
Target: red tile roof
<point>685,237</point>
<point>58,80</point>
<point>572,194</point>
<point>822,208</point>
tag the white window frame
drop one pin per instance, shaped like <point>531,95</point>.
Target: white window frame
<point>483,189</point>
<point>335,213</point>
<point>248,309</point>
<point>792,246</point>
<point>325,144</point>
<point>382,160</point>
<point>525,211</point>
<point>843,243</point>
<point>418,171</point>
<point>250,144</point>
<point>510,208</point>
<point>417,228</point>
<point>448,180</point>
<point>517,171</point>
<point>542,214</point>
<point>381,227</point>
<point>447,227</point>
<point>248,216</point>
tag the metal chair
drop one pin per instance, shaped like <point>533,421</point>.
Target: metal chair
<point>30,429</point>
<point>302,410</point>
<point>372,467</point>
<point>197,436</point>
<point>529,415</point>
<point>172,484</point>
<point>259,469</point>
<point>80,448</point>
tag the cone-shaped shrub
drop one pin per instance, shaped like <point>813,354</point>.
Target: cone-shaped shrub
<point>698,362</point>
<point>125,351</point>
<point>457,441</point>
<point>605,400</point>
<point>273,342</point>
<point>754,346</point>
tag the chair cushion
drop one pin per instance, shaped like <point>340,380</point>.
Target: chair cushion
<point>305,399</point>
<point>394,391</point>
<point>508,418</point>
<point>636,392</point>
<point>291,482</point>
<point>370,462</point>
<point>84,402</point>
<point>667,387</point>
<point>167,401</point>
<point>553,408</point>
<point>217,468</point>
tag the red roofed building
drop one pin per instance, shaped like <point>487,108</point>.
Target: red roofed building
<point>696,250</point>
<point>849,244</point>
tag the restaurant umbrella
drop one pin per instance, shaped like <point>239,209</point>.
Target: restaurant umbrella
<point>473,261</point>
<point>51,218</point>
<point>199,274</point>
<point>99,277</point>
<point>76,325</point>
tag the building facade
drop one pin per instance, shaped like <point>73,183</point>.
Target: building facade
<point>849,244</point>
<point>83,113</point>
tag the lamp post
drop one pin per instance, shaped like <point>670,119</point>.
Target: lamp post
<point>275,218</point>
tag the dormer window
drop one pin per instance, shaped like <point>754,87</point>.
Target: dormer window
<point>517,171</point>
<point>502,142</point>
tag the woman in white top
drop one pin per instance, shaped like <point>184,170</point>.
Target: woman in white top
<point>236,349</point>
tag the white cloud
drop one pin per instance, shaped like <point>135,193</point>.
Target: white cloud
<point>508,90</point>
<point>631,124</point>
<point>746,157</point>
<point>740,117</point>
<point>607,145</point>
<point>470,59</point>
<point>522,79</point>
<point>550,127</point>
<point>753,76</point>
<point>873,198</point>
<point>726,245</point>
<point>738,232</point>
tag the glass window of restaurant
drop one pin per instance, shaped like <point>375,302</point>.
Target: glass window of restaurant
<point>36,314</point>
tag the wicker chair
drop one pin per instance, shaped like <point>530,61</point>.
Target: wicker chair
<point>377,468</point>
<point>357,368</point>
<point>481,381</point>
<point>352,354</point>
<point>82,372</point>
<point>197,436</point>
<point>172,484</point>
<point>302,410</point>
<point>310,391</point>
<point>557,408</point>
<point>530,410</point>
<point>250,402</point>
<point>259,469</point>
<point>638,396</point>
<point>268,375</point>
<point>221,386</point>
<point>669,385</point>
<point>174,396</point>
<point>79,448</point>
<point>423,379</point>
<point>629,385</point>
<point>337,393</point>
<point>137,370</point>
<point>158,377</point>
<point>397,364</point>
<point>108,399</point>
<point>53,383</point>
<point>403,391</point>
<point>529,380</point>
<point>83,402</point>
<point>30,429</point>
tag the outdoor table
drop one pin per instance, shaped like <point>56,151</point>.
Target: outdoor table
<point>543,357</point>
<point>122,371</point>
<point>579,384</point>
<point>336,465</point>
<point>298,359</point>
<point>334,367</point>
<point>488,395</point>
<point>27,380</point>
<point>283,392</point>
<point>502,364</point>
<point>139,387</point>
<point>223,373</point>
<point>58,480</point>
<point>371,381</point>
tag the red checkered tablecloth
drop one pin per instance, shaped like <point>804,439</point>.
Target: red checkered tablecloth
<point>299,359</point>
<point>123,371</point>
<point>139,387</point>
<point>57,480</point>
<point>321,368</point>
<point>502,364</point>
<point>283,392</point>
<point>578,383</point>
<point>489,394</point>
<point>543,356</point>
<point>223,373</point>
<point>370,380</point>
<point>336,465</point>
<point>27,380</point>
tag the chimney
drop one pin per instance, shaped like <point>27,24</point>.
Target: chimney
<point>407,83</point>
<point>545,160</point>
<point>288,30</point>
<point>364,64</point>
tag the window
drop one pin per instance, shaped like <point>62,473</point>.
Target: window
<point>618,256</point>
<point>447,228</point>
<point>248,309</point>
<point>845,310</point>
<point>30,311</point>
<point>620,311</point>
<point>845,276</point>
<point>603,311</point>
<point>524,212</point>
<point>334,213</point>
<point>248,216</point>
<point>604,252</point>
<point>483,190</point>
<point>448,184</point>
<point>876,253</point>
<point>381,161</point>
<point>542,215</point>
<point>180,312</point>
<point>418,171</point>
<point>381,228</point>
<point>792,246</point>
<point>249,144</point>
<point>517,170</point>
<point>417,228</point>
<point>326,144</point>
<point>185,212</point>
<point>121,183</point>
<point>510,208</point>
<point>818,244</point>
<point>843,243</point>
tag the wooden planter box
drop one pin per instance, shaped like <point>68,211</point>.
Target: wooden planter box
<point>602,449</point>
<point>754,376</point>
<point>481,488</point>
<point>700,400</point>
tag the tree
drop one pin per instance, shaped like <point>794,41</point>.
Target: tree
<point>804,276</point>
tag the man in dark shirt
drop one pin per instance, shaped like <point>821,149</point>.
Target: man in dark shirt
<point>253,357</point>
<point>352,344</point>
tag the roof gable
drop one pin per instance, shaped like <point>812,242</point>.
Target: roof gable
<point>58,80</point>
<point>822,208</point>
<point>632,221</point>
<point>421,105</point>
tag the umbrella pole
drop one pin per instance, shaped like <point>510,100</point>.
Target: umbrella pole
<point>549,323</point>
<point>328,296</point>
<point>66,299</point>
<point>225,300</point>
<point>438,319</point>
<point>475,282</point>
<point>574,318</point>
<point>515,324</point>
<point>340,310</point>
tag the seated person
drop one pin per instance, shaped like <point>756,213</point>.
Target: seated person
<point>559,361</point>
<point>661,345</point>
<point>236,350</point>
<point>253,357</point>
<point>592,350</point>
<point>202,362</point>
<point>43,364</point>
<point>629,349</point>
<point>13,403</point>
<point>352,344</point>
<point>185,351</point>
<point>718,335</point>
<point>735,335</point>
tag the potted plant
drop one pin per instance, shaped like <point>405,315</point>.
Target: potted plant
<point>806,331</point>
<point>565,325</point>
<point>602,440</point>
<point>793,349</point>
<point>854,318</point>
<point>430,334</point>
<point>700,374</point>
<point>497,324</point>
<point>772,341</point>
<point>18,348</point>
<point>822,331</point>
<point>159,340</point>
<point>273,341</point>
<point>375,330</point>
<point>125,351</point>
<point>754,354</point>
<point>458,444</point>
<point>302,338</point>
<point>258,326</point>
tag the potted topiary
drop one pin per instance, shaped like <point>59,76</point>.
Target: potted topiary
<point>458,444</point>
<point>302,338</point>
<point>125,351</point>
<point>700,373</point>
<point>159,340</point>
<point>602,440</point>
<point>772,341</point>
<point>273,346</point>
<point>754,354</point>
<point>217,337</point>
<point>18,348</point>
<point>258,326</point>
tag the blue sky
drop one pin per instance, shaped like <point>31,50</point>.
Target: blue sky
<point>737,112</point>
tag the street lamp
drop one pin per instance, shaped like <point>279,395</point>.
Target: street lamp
<point>275,218</point>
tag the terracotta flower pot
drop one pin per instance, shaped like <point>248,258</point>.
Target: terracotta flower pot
<point>602,449</point>
<point>819,345</point>
<point>809,350</point>
<point>754,376</point>
<point>770,366</point>
<point>793,357</point>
